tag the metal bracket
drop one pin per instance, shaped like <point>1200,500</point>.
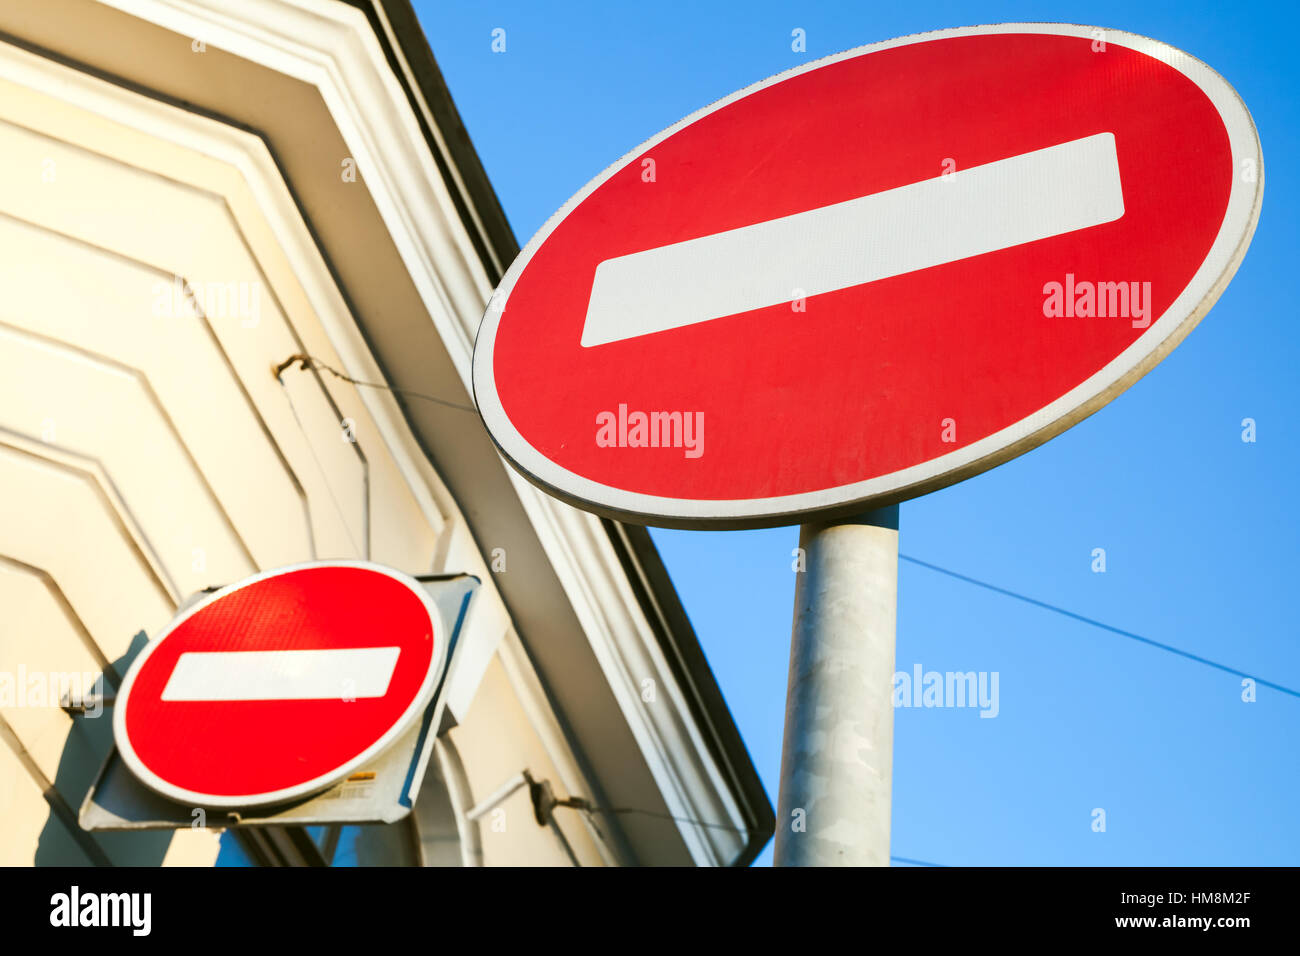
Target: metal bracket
<point>77,706</point>
<point>543,800</point>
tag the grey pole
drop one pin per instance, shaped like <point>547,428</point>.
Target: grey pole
<point>836,762</point>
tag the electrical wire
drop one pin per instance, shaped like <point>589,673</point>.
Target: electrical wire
<point>309,362</point>
<point>911,862</point>
<point>1099,624</point>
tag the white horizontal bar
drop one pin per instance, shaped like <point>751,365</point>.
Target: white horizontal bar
<point>1006,203</point>
<point>282,675</point>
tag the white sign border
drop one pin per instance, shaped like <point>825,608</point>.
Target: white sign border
<point>1196,299</point>
<point>437,667</point>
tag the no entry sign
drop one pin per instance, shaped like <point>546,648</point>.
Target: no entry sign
<point>871,276</point>
<point>281,685</point>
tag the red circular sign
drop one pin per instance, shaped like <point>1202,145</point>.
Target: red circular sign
<point>281,685</point>
<point>871,276</point>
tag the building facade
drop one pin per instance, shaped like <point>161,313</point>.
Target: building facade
<point>245,246</point>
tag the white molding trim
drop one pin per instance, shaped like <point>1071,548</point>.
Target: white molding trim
<point>247,154</point>
<point>330,45</point>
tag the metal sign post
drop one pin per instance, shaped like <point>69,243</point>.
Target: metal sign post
<point>837,757</point>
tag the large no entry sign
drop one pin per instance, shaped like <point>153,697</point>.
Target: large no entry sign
<point>871,276</point>
<point>281,685</point>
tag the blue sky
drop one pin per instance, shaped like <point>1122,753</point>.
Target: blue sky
<point>1200,528</point>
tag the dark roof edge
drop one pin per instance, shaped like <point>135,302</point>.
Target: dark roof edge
<point>494,241</point>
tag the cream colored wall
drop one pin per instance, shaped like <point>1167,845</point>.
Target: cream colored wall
<point>144,456</point>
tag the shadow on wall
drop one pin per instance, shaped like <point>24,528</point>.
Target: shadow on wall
<point>62,841</point>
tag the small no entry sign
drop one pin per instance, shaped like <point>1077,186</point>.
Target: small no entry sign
<point>871,276</point>
<point>279,686</point>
